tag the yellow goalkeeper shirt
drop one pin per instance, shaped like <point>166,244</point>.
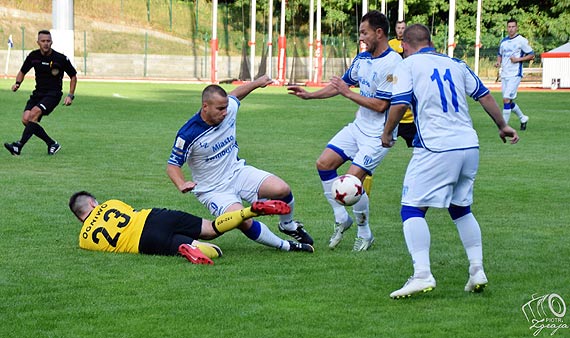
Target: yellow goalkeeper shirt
<point>113,226</point>
<point>396,45</point>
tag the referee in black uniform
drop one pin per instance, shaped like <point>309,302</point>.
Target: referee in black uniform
<point>49,67</point>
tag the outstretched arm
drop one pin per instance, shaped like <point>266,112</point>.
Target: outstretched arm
<point>323,93</point>
<point>490,105</point>
<point>373,103</point>
<point>243,90</point>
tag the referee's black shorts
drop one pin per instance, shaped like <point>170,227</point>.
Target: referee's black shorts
<point>46,102</point>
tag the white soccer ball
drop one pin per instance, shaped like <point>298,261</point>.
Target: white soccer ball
<point>347,189</point>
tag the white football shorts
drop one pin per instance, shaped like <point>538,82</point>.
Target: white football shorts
<point>509,86</point>
<point>440,179</point>
<point>364,151</point>
<point>244,186</point>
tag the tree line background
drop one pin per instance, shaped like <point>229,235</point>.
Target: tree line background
<point>544,23</point>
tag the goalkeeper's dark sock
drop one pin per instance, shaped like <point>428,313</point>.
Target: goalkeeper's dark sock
<point>231,220</point>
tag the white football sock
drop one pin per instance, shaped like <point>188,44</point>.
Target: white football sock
<point>506,115</point>
<point>286,221</point>
<point>361,214</point>
<point>416,233</point>
<point>470,234</point>
<point>266,237</point>
<point>340,213</point>
<point>516,109</point>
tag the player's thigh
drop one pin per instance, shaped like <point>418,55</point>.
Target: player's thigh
<point>219,200</point>
<point>344,144</point>
<point>252,184</point>
<point>370,153</point>
<point>510,86</point>
<point>331,158</point>
<point>463,190</point>
<point>430,178</point>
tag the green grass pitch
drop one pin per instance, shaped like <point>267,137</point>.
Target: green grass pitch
<point>116,139</point>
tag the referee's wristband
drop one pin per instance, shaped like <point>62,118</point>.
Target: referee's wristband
<point>71,96</point>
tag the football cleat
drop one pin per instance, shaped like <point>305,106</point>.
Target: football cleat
<point>295,246</point>
<point>362,244</point>
<point>270,207</point>
<point>14,148</point>
<point>194,255</point>
<point>339,229</point>
<point>413,286</point>
<point>298,234</point>
<point>524,121</point>
<point>54,148</point>
<point>476,282</point>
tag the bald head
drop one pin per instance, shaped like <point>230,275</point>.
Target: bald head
<point>416,37</point>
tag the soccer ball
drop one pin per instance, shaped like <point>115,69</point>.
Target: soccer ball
<point>347,189</point>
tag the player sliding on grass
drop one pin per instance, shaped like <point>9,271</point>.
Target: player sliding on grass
<point>220,179</point>
<point>115,226</point>
<point>442,171</point>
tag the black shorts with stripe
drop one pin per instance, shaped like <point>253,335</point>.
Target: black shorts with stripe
<point>46,102</point>
<point>164,230</point>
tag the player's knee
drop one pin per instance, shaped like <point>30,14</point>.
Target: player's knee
<point>324,163</point>
<point>456,211</point>
<point>321,165</point>
<point>408,212</point>
<point>282,192</point>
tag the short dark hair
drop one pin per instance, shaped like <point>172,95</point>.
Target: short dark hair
<point>417,34</point>
<point>44,31</point>
<point>77,203</point>
<point>512,20</point>
<point>377,20</point>
<point>212,90</point>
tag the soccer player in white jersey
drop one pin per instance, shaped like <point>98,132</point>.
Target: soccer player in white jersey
<point>359,141</point>
<point>513,51</point>
<point>220,179</point>
<point>445,159</point>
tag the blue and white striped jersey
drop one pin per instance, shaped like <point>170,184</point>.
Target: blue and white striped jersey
<point>436,87</point>
<point>211,151</point>
<point>517,47</point>
<point>374,78</point>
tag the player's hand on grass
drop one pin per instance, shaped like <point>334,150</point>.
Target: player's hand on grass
<point>187,186</point>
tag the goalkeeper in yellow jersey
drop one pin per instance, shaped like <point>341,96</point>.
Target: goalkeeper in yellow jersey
<point>115,226</point>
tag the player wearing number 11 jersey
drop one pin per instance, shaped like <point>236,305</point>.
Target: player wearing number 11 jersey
<point>445,159</point>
